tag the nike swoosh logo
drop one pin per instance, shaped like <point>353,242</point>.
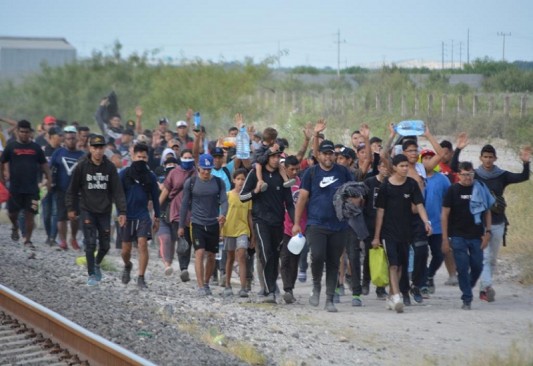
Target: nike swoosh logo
<point>327,183</point>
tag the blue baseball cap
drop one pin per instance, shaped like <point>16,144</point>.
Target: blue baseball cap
<point>205,161</point>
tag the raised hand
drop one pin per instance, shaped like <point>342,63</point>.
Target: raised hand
<point>188,114</point>
<point>525,153</point>
<point>320,126</point>
<point>239,120</point>
<point>138,112</point>
<point>462,140</point>
<point>364,131</point>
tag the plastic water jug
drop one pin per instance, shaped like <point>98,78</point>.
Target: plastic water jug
<point>410,128</point>
<point>296,244</point>
<point>197,121</point>
<point>243,144</point>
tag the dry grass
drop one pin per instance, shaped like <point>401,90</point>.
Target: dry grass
<point>520,232</point>
<point>242,350</point>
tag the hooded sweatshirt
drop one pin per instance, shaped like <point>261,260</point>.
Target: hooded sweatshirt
<point>96,186</point>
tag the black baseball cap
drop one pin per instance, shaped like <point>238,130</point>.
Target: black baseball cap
<point>217,151</point>
<point>347,152</point>
<point>97,140</point>
<point>326,146</point>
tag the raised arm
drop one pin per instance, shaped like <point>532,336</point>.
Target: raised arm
<point>434,161</point>
<point>138,120</point>
<point>308,133</point>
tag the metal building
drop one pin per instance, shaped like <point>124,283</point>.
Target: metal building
<point>21,56</point>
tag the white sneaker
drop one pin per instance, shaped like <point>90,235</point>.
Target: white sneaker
<point>389,304</point>
<point>168,271</point>
<point>398,303</point>
<point>451,281</point>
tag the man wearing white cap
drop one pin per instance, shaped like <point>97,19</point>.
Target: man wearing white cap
<point>183,137</point>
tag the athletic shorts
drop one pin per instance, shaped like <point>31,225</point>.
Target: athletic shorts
<point>62,214</point>
<point>21,201</point>
<point>232,243</point>
<point>205,237</point>
<point>397,252</point>
<point>134,229</point>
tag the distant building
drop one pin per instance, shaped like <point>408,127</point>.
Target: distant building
<point>21,56</point>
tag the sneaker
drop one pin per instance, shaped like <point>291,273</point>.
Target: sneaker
<point>483,296</point>
<point>243,293</point>
<point>261,293</point>
<point>63,245</point>
<point>431,286</point>
<point>207,290</point>
<point>48,241</point>
<point>425,292</point>
<point>348,280</point>
<point>184,275</point>
<point>289,183</point>
<point>126,273</point>
<point>92,281</point>
<point>491,294</point>
<point>228,292</point>
<point>314,299</point>
<point>336,297</point>
<point>365,290</point>
<point>74,244</point>
<point>302,276</point>
<point>356,300</point>
<point>406,299</point>
<point>417,296</point>
<point>330,307</point>
<point>288,297</point>
<point>269,298</point>
<point>97,273</point>
<point>342,290</point>
<point>264,187</point>
<point>52,242</point>
<point>398,304</point>
<point>248,285</point>
<point>451,281</point>
<point>28,244</point>
<point>168,270</point>
<point>15,234</point>
<point>389,304</point>
<point>381,293</point>
<point>141,284</point>
<point>466,306</point>
<point>201,292</point>
<point>215,278</point>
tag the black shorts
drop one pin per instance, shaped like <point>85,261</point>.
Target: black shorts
<point>22,201</point>
<point>205,237</point>
<point>134,229</point>
<point>397,252</point>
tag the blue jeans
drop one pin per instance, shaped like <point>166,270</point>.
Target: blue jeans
<point>49,214</point>
<point>490,255</point>
<point>469,262</point>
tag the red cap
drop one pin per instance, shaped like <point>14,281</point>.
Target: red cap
<point>427,152</point>
<point>49,120</point>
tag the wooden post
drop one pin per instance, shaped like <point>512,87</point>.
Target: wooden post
<point>506,105</point>
<point>475,103</point>
<point>523,106</point>
<point>404,106</point>
<point>443,102</point>
<point>491,105</point>
<point>417,104</point>
<point>378,104</point>
<point>389,103</point>
<point>430,104</point>
<point>460,105</point>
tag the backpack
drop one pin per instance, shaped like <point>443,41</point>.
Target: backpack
<point>226,170</point>
<point>193,181</point>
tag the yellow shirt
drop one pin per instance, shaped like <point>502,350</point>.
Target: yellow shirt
<point>237,218</point>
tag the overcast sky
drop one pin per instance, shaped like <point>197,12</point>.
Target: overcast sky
<point>371,32</point>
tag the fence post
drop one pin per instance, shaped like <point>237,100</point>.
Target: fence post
<point>378,103</point>
<point>506,105</point>
<point>430,104</point>
<point>491,105</point>
<point>460,105</point>
<point>475,103</point>
<point>523,106</point>
<point>443,101</point>
<point>404,106</point>
<point>389,103</point>
<point>417,104</point>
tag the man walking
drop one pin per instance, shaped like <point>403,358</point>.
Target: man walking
<point>96,184</point>
<point>140,187</point>
<point>326,235</point>
<point>25,158</point>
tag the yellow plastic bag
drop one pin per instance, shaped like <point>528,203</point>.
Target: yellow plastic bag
<point>379,267</point>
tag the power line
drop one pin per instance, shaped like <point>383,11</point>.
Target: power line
<point>502,34</point>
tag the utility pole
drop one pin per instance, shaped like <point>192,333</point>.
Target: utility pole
<point>452,53</point>
<point>442,52</point>
<point>460,55</point>
<point>339,52</point>
<point>502,34</point>
<point>468,46</point>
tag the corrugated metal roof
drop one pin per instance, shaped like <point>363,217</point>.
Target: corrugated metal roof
<point>35,43</point>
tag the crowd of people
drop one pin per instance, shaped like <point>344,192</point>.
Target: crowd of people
<point>186,192</point>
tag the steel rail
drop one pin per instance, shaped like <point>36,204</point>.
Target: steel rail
<point>78,340</point>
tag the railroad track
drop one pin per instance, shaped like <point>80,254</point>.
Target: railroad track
<point>31,334</point>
